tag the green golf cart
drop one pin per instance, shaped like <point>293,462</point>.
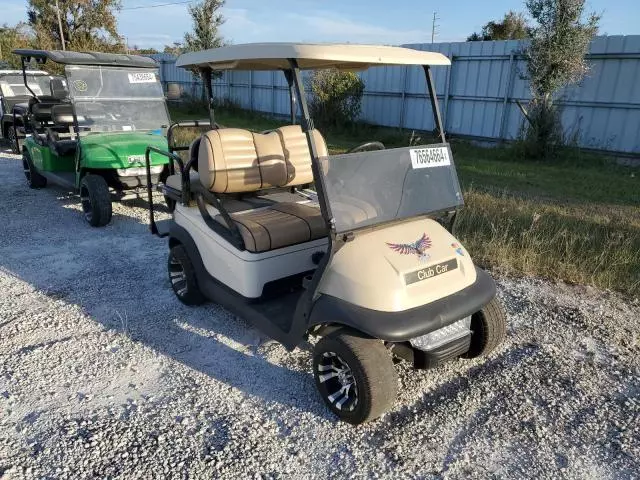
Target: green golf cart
<point>91,135</point>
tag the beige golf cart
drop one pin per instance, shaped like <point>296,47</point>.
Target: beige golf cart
<point>355,249</point>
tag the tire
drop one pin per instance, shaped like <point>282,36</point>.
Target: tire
<point>16,145</point>
<point>34,179</point>
<point>366,365</point>
<point>489,327</point>
<point>183,278</point>
<point>96,200</point>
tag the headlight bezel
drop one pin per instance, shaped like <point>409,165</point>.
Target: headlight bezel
<point>442,336</point>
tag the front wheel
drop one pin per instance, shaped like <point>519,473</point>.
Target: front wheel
<point>96,200</point>
<point>354,375</point>
<point>489,327</point>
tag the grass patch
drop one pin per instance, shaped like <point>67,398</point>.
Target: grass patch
<point>570,242</point>
<point>576,219</point>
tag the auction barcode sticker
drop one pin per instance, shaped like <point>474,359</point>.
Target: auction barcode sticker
<point>142,77</point>
<point>429,157</point>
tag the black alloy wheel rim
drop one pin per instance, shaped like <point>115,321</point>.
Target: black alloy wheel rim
<point>339,383</point>
<point>178,277</point>
<point>11,136</point>
<point>86,203</point>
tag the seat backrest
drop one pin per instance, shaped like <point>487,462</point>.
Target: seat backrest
<point>62,114</point>
<point>58,90</point>
<point>232,160</point>
<point>297,155</point>
<point>41,106</point>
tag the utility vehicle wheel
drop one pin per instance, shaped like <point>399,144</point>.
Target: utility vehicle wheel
<point>182,276</point>
<point>96,200</point>
<point>489,327</point>
<point>34,179</point>
<point>355,375</point>
<point>16,145</point>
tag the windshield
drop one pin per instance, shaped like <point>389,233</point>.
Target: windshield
<point>369,188</point>
<point>13,85</point>
<point>117,99</point>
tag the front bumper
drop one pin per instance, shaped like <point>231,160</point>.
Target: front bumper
<point>407,324</point>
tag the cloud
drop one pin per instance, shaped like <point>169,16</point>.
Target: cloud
<point>325,26</point>
<point>264,23</point>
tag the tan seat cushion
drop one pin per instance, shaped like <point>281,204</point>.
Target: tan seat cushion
<point>278,226</point>
<point>297,155</point>
<point>231,160</point>
<point>228,162</point>
<point>271,159</point>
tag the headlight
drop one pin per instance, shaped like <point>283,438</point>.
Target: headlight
<point>138,171</point>
<point>443,335</point>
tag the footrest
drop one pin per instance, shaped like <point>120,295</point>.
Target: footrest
<point>162,228</point>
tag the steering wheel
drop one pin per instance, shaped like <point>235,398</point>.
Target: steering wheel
<point>367,147</point>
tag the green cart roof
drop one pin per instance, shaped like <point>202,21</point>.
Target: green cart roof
<point>88,58</point>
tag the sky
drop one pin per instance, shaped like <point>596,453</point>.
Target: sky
<point>355,21</point>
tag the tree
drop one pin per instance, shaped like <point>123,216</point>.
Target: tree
<point>337,97</point>
<point>86,24</point>
<point>10,39</point>
<point>555,59</point>
<point>175,49</point>
<point>512,27</point>
<point>136,50</point>
<point>205,35</point>
<point>206,22</point>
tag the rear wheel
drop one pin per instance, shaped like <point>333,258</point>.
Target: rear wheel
<point>96,200</point>
<point>489,327</point>
<point>34,179</point>
<point>183,278</point>
<point>354,375</point>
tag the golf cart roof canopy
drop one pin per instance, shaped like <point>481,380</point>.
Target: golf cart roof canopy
<point>275,56</point>
<point>87,58</point>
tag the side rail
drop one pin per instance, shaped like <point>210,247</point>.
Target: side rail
<point>171,136</point>
<point>174,159</point>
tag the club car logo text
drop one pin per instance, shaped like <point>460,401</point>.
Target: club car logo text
<point>429,272</point>
<point>429,157</point>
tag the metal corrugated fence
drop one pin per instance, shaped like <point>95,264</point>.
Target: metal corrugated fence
<point>477,94</point>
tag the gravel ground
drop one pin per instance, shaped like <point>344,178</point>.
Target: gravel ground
<point>103,373</point>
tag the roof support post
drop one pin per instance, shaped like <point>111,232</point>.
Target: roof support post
<point>433,96</point>
<point>292,95</point>
<point>206,80</point>
<point>24,76</point>
<point>307,128</point>
<point>305,303</point>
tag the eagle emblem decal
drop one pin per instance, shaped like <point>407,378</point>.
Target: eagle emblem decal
<point>418,247</point>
